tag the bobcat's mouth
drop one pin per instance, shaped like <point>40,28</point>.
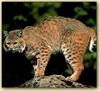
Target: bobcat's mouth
<point>13,50</point>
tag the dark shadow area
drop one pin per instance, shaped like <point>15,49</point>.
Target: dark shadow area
<point>57,65</point>
<point>16,69</point>
<point>89,77</point>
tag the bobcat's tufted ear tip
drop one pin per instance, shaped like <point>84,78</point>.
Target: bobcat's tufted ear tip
<point>19,32</point>
<point>5,34</point>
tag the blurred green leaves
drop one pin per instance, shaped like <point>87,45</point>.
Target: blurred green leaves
<point>87,5</point>
<point>90,56</point>
<point>20,18</point>
<point>37,12</point>
<point>83,11</point>
<point>90,59</point>
<point>80,12</point>
<point>90,21</point>
<point>5,27</point>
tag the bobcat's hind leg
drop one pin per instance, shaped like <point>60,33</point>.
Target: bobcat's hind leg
<point>77,68</point>
<point>42,61</point>
<point>75,61</point>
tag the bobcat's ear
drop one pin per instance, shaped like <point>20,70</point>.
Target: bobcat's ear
<point>19,32</point>
<point>5,34</point>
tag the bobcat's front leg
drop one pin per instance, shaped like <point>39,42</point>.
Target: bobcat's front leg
<point>42,61</point>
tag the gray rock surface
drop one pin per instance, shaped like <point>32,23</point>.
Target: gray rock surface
<point>53,81</point>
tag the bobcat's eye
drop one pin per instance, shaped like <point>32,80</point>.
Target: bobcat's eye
<point>8,43</point>
<point>15,43</point>
<point>95,42</point>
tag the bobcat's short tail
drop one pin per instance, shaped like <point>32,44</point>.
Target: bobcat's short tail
<point>92,44</point>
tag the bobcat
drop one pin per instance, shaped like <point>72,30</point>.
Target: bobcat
<point>53,34</point>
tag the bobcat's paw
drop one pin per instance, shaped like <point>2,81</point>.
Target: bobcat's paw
<point>70,79</point>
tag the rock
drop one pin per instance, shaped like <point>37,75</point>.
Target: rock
<point>52,81</point>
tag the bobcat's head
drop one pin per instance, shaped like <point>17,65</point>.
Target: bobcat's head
<point>14,42</point>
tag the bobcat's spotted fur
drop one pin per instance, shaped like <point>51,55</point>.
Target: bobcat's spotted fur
<point>69,36</point>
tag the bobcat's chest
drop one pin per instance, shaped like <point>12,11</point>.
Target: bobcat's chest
<point>30,52</point>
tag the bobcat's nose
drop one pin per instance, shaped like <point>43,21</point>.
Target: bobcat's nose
<point>9,49</point>
<point>12,50</point>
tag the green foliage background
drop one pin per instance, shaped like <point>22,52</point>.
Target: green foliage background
<point>29,13</point>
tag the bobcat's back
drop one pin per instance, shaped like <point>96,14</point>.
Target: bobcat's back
<point>52,32</point>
